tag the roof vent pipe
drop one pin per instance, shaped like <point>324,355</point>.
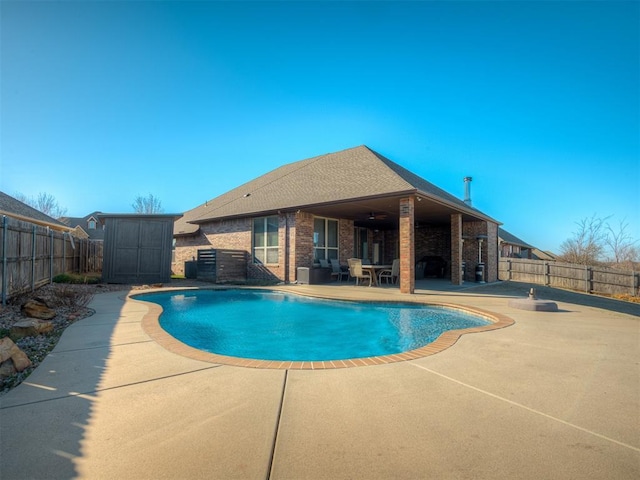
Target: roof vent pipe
<point>467,190</point>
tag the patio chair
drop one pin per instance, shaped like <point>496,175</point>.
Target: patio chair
<point>356,271</point>
<point>392,274</point>
<point>324,263</point>
<point>337,270</point>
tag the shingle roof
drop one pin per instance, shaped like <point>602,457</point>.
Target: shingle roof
<point>348,175</point>
<point>94,234</point>
<point>15,208</point>
<point>512,239</point>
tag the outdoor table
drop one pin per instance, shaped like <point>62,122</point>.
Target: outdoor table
<point>372,269</point>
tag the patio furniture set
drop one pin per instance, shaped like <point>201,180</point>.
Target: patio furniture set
<point>359,270</point>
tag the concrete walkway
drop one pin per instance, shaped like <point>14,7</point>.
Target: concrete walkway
<point>556,395</point>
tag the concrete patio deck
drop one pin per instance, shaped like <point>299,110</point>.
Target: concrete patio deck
<point>556,395</point>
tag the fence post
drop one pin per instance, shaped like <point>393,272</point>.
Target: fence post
<point>33,258</point>
<point>587,278</point>
<point>51,260</point>
<point>547,280</point>
<point>4,260</point>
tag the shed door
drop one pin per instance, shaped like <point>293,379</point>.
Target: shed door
<point>140,250</point>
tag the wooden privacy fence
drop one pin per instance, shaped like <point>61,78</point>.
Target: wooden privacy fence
<point>570,276</point>
<point>31,255</point>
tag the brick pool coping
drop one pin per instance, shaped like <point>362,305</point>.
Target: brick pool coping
<point>151,326</point>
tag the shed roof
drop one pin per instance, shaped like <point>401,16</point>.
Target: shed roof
<point>348,176</point>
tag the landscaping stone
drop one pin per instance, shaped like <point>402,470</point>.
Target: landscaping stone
<point>11,354</point>
<point>30,328</point>
<point>7,369</point>
<point>37,309</point>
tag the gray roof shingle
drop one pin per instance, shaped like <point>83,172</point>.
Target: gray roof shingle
<point>15,208</point>
<point>351,174</point>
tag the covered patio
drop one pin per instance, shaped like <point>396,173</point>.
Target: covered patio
<point>354,203</point>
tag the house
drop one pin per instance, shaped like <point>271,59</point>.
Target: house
<point>512,247</point>
<point>352,203</point>
<point>12,207</point>
<point>545,255</point>
<point>86,227</point>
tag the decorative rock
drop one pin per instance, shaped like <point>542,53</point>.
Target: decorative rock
<point>532,303</point>
<point>7,369</point>
<point>10,351</point>
<point>7,349</point>
<point>21,361</point>
<point>30,328</point>
<point>37,309</point>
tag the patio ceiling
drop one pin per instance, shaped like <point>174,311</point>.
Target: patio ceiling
<point>386,212</point>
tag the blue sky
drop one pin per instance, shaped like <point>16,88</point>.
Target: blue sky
<point>538,101</point>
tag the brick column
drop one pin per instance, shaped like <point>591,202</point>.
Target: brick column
<point>491,262</point>
<point>407,246</point>
<point>456,249</point>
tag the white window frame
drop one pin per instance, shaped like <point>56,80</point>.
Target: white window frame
<point>265,248</point>
<point>326,248</point>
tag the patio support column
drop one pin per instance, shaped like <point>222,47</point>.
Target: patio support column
<point>456,249</point>
<point>407,245</point>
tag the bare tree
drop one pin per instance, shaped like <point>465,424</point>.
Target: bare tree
<point>587,244</point>
<point>147,205</point>
<point>621,244</point>
<point>45,203</point>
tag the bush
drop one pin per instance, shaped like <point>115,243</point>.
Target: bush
<point>76,279</point>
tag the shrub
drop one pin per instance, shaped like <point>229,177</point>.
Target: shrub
<point>76,278</point>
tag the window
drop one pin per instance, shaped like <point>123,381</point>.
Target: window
<point>92,224</point>
<point>265,240</point>
<point>325,239</point>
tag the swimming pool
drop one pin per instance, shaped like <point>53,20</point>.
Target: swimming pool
<point>277,326</point>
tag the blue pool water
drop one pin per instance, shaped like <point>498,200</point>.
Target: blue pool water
<point>267,325</point>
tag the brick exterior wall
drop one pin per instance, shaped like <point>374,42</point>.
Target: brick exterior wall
<point>407,253</point>
<point>295,239</point>
<point>296,245</point>
<point>303,241</point>
<point>491,261</point>
<point>489,249</point>
<point>345,240</point>
<point>456,249</point>
<point>434,240</point>
<point>186,249</point>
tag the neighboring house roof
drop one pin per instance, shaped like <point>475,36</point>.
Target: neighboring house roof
<point>356,176</point>
<point>13,207</point>
<point>506,237</point>
<point>542,255</point>
<point>83,222</point>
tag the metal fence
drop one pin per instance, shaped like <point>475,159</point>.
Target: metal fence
<point>32,255</point>
<point>570,276</point>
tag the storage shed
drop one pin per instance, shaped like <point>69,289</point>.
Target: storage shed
<point>137,248</point>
